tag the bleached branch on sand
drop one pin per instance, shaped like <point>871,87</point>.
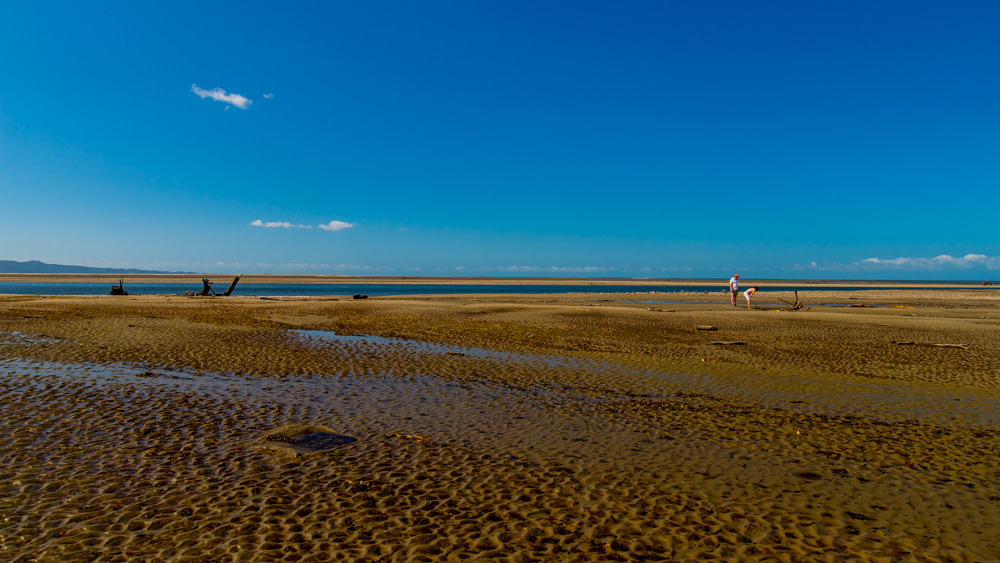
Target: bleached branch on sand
<point>798,302</point>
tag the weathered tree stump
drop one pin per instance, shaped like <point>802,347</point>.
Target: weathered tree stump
<point>120,288</point>
<point>207,288</point>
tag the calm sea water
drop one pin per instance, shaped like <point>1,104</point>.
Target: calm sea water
<point>316,290</point>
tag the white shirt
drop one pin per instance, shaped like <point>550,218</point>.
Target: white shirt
<point>734,284</point>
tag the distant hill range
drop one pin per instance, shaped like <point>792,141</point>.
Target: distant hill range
<point>36,267</point>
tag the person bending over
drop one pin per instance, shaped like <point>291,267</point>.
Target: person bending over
<point>749,295</point>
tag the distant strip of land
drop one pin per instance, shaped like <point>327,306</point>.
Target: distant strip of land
<point>451,280</point>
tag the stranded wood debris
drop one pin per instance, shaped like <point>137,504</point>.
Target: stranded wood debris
<point>912,343</point>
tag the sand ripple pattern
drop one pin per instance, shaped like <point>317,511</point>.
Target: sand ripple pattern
<point>114,463</point>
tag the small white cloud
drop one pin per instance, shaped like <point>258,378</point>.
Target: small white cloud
<point>268,96</point>
<point>336,226</point>
<point>278,225</point>
<point>220,95</point>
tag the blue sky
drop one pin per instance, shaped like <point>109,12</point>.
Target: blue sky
<point>834,140</point>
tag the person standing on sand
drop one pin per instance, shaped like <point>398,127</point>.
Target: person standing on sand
<point>749,295</point>
<point>734,287</point>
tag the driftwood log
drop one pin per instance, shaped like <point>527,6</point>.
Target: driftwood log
<point>912,343</point>
<point>207,287</point>
<point>232,286</point>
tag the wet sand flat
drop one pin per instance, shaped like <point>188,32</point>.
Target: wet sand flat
<point>500,427</point>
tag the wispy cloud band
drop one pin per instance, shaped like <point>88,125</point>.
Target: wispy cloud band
<point>220,95</point>
<point>331,226</point>
<point>937,262</point>
<point>940,262</point>
<point>552,269</point>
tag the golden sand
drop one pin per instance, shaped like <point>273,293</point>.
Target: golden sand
<point>573,427</point>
